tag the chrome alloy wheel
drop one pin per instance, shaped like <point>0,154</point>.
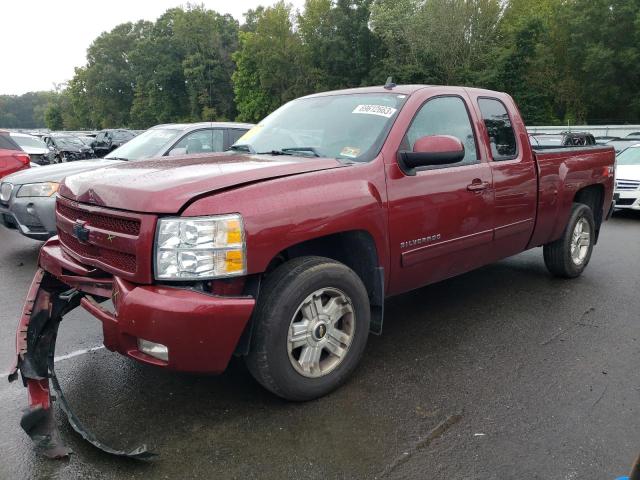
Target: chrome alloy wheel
<point>321,332</point>
<point>580,241</point>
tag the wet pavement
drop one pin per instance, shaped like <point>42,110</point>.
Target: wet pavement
<point>502,373</point>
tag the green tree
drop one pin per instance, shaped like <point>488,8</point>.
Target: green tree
<point>270,67</point>
<point>53,117</point>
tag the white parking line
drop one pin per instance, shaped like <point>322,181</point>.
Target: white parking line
<point>76,353</point>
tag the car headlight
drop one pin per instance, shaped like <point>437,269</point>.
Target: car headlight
<point>45,189</point>
<point>5,191</point>
<point>198,248</point>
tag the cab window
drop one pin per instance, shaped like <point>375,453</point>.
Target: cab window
<point>202,141</point>
<point>502,138</point>
<point>444,116</point>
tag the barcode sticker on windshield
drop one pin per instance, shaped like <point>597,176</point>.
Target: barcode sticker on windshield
<point>379,110</point>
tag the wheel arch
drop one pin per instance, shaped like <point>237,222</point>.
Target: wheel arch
<point>593,197</point>
<point>354,248</point>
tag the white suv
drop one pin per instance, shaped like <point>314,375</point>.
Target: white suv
<point>627,192</point>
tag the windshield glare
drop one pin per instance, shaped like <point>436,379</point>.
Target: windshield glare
<point>631,156</point>
<point>32,142</point>
<point>352,126</point>
<point>146,145</point>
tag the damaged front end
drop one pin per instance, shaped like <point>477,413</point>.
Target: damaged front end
<point>48,301</point>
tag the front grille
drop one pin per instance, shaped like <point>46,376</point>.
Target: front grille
<point>113,241</point>
<point>105,222</point>
<point>120,260</point>
<point>627,184</point>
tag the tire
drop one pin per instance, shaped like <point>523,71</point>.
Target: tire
<point>559,257</point>
<point>281,310</point>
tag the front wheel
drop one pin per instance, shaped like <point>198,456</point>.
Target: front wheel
<point>569,255</point>
<point>311,328</point>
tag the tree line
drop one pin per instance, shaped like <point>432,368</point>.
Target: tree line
<point>564,61</point>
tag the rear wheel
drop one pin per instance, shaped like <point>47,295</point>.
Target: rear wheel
<point>569,255</point>
<point>311,328</point>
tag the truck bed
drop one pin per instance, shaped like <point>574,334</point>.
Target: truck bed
<point>562,172</point>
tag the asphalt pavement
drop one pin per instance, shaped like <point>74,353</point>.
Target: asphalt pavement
<point>502,373</point>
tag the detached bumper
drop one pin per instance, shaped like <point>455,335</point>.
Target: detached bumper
<point>200,330</point>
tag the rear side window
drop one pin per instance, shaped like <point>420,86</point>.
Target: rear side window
<point>6,143</point>
<point>235,134</point>
<point>502,138</point>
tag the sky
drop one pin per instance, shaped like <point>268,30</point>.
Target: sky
<point>43,40</point>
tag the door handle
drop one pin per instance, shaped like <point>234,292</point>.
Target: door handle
<point>477,185</point>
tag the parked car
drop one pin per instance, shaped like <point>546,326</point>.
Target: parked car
<point>30,208</point>
<point>622,144</point>
<point>564,139</point>
<point>635,135</point>
<point>627,191</point>
<point>110,139</point>
<point>181,138</point>
<point>36,148</point>
<point>604,140</point>
<point>284,251</point>
<point>12,157</point>
<point>67,148</point>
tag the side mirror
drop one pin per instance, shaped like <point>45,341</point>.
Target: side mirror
<point>177,151</point>
<point>431,150</point>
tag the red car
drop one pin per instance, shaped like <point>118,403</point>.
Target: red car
<point>12,157</point>
<point>284,250</point>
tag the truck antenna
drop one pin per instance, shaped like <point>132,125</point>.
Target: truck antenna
<point>389,85</point>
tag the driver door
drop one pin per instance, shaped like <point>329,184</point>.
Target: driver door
<point>441,218</point>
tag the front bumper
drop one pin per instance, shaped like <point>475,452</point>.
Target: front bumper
<point>33,217</point>
<point>200,330</point>
<point>627,199</point>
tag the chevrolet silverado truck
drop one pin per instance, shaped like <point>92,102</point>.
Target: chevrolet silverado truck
<point>283,250</point>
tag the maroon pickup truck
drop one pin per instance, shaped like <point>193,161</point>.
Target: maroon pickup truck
<point>284,249</point>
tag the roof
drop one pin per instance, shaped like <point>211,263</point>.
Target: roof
<point>398,89</point>
<point>187,126</point>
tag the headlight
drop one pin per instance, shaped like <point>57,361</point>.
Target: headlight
<point>200,248</point>
<point>45,189</point>
<point>5,191</point>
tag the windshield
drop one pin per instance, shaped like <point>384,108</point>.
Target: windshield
<point>631,156</point>
<point>68,141</point>
<point>351,126</point>
<point>146,145</point>
<point>27,142</point>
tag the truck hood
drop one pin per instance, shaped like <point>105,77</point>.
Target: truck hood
<point>57,172</point>
<point>165,185</point>
<point>628,172</point>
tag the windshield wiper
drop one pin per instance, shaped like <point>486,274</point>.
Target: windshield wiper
<point>292,151</point>
<point>242,148</point>
<point>116,158</point>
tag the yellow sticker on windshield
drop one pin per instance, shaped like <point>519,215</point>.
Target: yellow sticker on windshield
<point>250,134</point>
<point>350,152</point>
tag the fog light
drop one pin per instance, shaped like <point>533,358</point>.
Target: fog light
<point>156,350</point>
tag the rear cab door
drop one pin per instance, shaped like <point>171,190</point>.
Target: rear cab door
<point>514,171</point>
<point>440,219</point>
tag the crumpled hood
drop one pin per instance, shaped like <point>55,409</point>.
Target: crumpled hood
<point>165,185</point>
<point>57,172</point>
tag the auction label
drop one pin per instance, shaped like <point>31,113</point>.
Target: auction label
<point>379,110</point>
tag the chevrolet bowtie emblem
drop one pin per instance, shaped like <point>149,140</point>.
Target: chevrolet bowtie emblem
<point>80,232</point>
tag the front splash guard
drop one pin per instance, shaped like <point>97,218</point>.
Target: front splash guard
<point>47,302</point>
